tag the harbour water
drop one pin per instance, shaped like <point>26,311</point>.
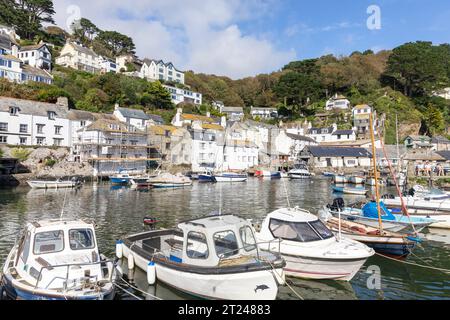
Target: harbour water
<point>119,211</point>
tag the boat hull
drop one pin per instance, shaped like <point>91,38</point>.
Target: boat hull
<point>230,286</point>
<point>333,269</point>
<point>205,178</point>
<point>355,191</point>
<point>115,180</point>
<point>170,185</point>
<point>18,291</point>
<point>356,180</point>
<point>230,178</point>
<point>51,184</point>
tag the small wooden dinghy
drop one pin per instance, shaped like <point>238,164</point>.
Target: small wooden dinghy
<point>57,260</point>
<point>54,184</point>
<point>215,257</point>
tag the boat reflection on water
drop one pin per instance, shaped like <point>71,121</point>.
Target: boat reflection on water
<point>317,290</point>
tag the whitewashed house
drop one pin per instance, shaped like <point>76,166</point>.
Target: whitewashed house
<point>107,65</point>
<point>32,123</point>
<point>11,68</point>
<point>336,157</point>
<point>443,93</point>
<point>440,143</point>
<point>153,70</point>
<point>337,102</point>
<point>134,117</point>
<point>207,147</point>
<point>76,56</point>
<point>343,136</point>
<point>38,56</point>
<point>185,119</point>
<point>361,116</point>
<point>290,145</point>
<point>179,95</point>
<point>263,113</point>
<point>322,135</point>
<point>239,155</point>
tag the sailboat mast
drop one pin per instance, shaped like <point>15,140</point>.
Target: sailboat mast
<point>398,149</point>
<point>375,171</point>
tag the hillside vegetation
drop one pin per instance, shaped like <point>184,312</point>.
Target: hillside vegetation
<point>397,82</point>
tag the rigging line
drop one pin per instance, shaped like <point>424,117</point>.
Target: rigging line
<point>404,208</point>
<point>446,271</point>
<point>139,290</point>
<point>131,294</point>
<point>285,281</point>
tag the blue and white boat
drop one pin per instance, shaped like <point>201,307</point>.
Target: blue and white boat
<point>368,215</point>
<point>57,260</point>
<point>120,178</point>
<point>206,177</point>
<point>230,177</point>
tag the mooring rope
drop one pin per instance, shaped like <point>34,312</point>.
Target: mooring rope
<point>415,264</point>
<point>131,294</point>
<point>139,290</point>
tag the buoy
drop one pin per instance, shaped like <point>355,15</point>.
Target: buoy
<point>130,262</point>
<point>119,249</point>
<point>151,273</point>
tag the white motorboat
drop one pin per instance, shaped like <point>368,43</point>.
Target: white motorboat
<point>54,184</point>
<point>167,180</point>
<point>356,179</point>
<point>57,260</point>
<point>350,190</point>
<point>310,249</point>
<point>339,178</point>
<point>300,171</point>
<point>371,182</point>
<point>215,257</point>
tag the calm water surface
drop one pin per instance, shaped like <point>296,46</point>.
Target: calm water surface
<point>119,211</point>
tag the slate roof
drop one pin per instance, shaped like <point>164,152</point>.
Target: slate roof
<point>444,154</point>
<point>33,47</point>
<point>5,42</point>
<point>321,130</point>
<point>299,137</point>
<point>82,49</point>
<point>319,151</point>
<point>35,71</point>
<point>75,115</point>
<point>104,125</point>
<point>34,108</point>
<point>133,113</point>
<point>156,118</point>
<point>233,109</point>
<point>10,57</point>
<point>343,132</point>
<point>391,151</point>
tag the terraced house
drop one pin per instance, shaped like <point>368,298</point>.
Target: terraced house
<point>78,57</point>
<point>32,123</point>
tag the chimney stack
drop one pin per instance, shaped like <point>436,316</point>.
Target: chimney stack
<point>63,102</point>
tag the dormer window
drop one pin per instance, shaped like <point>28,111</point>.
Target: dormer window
<point>51,115</point>
<point>14,111</point>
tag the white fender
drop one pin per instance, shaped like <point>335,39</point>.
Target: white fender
<point>151,273</point>
<point>119,249</point>
<point>130,261</point>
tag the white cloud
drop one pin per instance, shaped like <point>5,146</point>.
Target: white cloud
<point>194,34</point>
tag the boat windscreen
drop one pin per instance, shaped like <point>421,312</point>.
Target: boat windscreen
<point>322,229</point>
<point>293,231</point>
<point>226,244</point>
<point>81,239</point>
<point>248,239</point>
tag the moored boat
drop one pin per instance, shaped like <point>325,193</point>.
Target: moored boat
<point>54,184</point>
<point>120,178</point>
<point>356,179</point>
<point>368,215</point>
<point>310,249</point>
<point>339,178</point>
<point>351,190</point>
<point>300,171</point>
<point>58,260</point>
<point>215,257</point>
<point>230,177</point>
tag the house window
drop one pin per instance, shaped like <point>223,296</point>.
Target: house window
<point>40,128</point>
<point>3,139</point>
<point>23,140</point>
<point>57,142</point>
<point>40,141</point>
<point>82,123</point>
<point>51,115</point>
<point>13,111</point>
<point>23,128</point>
<point>168,145</point>
<point>58,130</point>
<point>3,126</point>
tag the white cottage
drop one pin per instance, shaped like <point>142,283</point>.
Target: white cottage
<point>32,123</point>
<point>38,56</point>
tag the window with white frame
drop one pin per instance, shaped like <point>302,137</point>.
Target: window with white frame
<point>3,126</point>
<point>3,139</point>
<point>40,141</point>
<point>58,130</point>
<point>40,128</point>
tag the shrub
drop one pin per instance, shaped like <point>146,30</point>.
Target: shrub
<point>50,162</point>
<point>1,153</point>
<point>20,153</point>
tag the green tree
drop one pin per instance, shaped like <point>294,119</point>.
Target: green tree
<point>84,30</point>
<point>116,42</point>
<point>419,67</point>
<point>157,96</point>
<point>29,16</point>
<point>433,121</point>
<point>95,100</point>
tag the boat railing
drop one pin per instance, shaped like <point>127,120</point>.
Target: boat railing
<point>104,264</point>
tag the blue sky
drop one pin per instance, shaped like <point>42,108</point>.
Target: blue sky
<point>239,38</point>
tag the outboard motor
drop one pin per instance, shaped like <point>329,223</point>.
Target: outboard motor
<point>150,222</point>
<point>338,204</point>
<point>388,196</point>
<point>411,192</point>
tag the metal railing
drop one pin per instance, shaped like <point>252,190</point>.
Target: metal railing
<point>103,265</point>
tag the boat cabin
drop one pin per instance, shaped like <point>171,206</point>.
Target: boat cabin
<point>211,240</point>
<point>293,224</point>
<point>57,254</point>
